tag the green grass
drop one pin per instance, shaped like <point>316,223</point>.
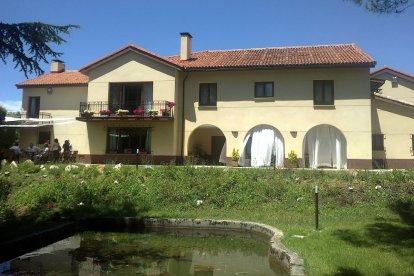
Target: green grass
<point>365,230</point>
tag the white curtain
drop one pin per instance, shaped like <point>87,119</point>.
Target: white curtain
<point>265,145</point>
<point>326,147</point>
<point>223,158</point>
<point>243,160</point>
<point>279,152</point>
<point>147,97</point>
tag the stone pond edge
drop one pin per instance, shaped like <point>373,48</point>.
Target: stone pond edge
<point>289,260</point>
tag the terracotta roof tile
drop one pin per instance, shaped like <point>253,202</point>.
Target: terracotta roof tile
<point>324,55</point>
<point>303,56</point>
<point>64,78</point>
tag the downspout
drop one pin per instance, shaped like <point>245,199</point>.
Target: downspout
<point>181,161</point>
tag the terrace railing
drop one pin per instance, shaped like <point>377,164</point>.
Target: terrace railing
<point>25,115</point>
<point>143,109</point>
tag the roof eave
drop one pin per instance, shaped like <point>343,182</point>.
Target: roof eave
<point>283,66</point>
<point>21,86</point>
<point>122,51</point>
<point>377,96</point>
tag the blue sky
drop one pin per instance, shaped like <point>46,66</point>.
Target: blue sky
<point>215,24</point>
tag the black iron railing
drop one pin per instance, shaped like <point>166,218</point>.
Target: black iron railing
<point>144,109</point>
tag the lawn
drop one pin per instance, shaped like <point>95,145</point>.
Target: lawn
<point>366,218</point>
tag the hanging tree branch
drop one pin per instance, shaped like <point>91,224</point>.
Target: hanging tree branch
<point>27,43</point>
<point>385,6</point>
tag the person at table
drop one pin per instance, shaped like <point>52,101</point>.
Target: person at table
<point>32,151</point>
<point>43,156</point>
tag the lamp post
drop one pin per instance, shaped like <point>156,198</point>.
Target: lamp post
<point>316,207</point>
<point>136,164</point>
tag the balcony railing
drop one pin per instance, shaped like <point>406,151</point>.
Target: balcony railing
<point>43,116</point>
<point>148,109</point>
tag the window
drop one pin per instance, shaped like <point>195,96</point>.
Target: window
<point>34,107</point>
<point>129,95</point>
<point>263,89</point>
<point>208,94</point>
<point>412,144</point>
<point>378,142</point>
<point>323,92</point>
<point>44,136</point>
<point>128,140</point>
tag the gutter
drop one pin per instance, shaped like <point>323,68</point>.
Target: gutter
<point>181,161</point>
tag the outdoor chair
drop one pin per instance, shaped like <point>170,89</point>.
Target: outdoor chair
<point>73,156</point>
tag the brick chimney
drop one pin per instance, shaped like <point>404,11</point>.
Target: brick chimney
<point>57,66</point>
<point>185,53</point>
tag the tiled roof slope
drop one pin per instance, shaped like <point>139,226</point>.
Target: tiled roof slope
<point>64,78</point>
<point>305,56</point>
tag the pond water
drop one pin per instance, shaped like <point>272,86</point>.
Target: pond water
<point>171,252</point>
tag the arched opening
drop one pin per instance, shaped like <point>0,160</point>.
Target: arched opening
<point>324,146</point>
<point>206,144</point>
<point>262,146</point>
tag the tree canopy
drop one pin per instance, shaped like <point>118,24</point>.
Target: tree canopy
<point>27,44</point>
<point>385,6</point>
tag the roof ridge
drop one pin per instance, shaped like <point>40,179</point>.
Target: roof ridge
<point>276,47</point>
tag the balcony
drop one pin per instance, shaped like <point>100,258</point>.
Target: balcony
<point>107,111</point>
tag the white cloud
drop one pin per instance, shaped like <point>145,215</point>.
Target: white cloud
<point>11,106</point>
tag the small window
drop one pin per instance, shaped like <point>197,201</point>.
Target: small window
<point>323,92</point>
<point>208,94</point>
<point>394,82</point>
<point>263,89</point>
<point>378,142</point>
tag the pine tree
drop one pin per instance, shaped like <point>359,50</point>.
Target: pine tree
<point>385,6</point>
<point>28,44</point>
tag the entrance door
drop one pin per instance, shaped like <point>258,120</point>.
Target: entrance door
<point>217,143</point>
<point>34,107</point>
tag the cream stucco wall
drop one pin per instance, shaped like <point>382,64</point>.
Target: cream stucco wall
<point>396,122</point>
<point>132,67</point>
<point>291,109</point>
<point>403,91</point>
<point>62,103</point>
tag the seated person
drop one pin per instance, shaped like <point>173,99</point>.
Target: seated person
<point>32,151</point>
<point>43,156</point>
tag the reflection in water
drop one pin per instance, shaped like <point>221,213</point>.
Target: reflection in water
<point>171,252</point>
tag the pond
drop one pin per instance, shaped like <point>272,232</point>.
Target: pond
<point>150,252</point>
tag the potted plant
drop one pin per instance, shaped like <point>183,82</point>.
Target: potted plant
<point>121,112</point>
<point>235,156</point>
<point>105,112</point>
<point>170,104</point>
<point>138,111</point>
<point>87,113</point>
<point>153,113</point>
<point>293,159</point>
